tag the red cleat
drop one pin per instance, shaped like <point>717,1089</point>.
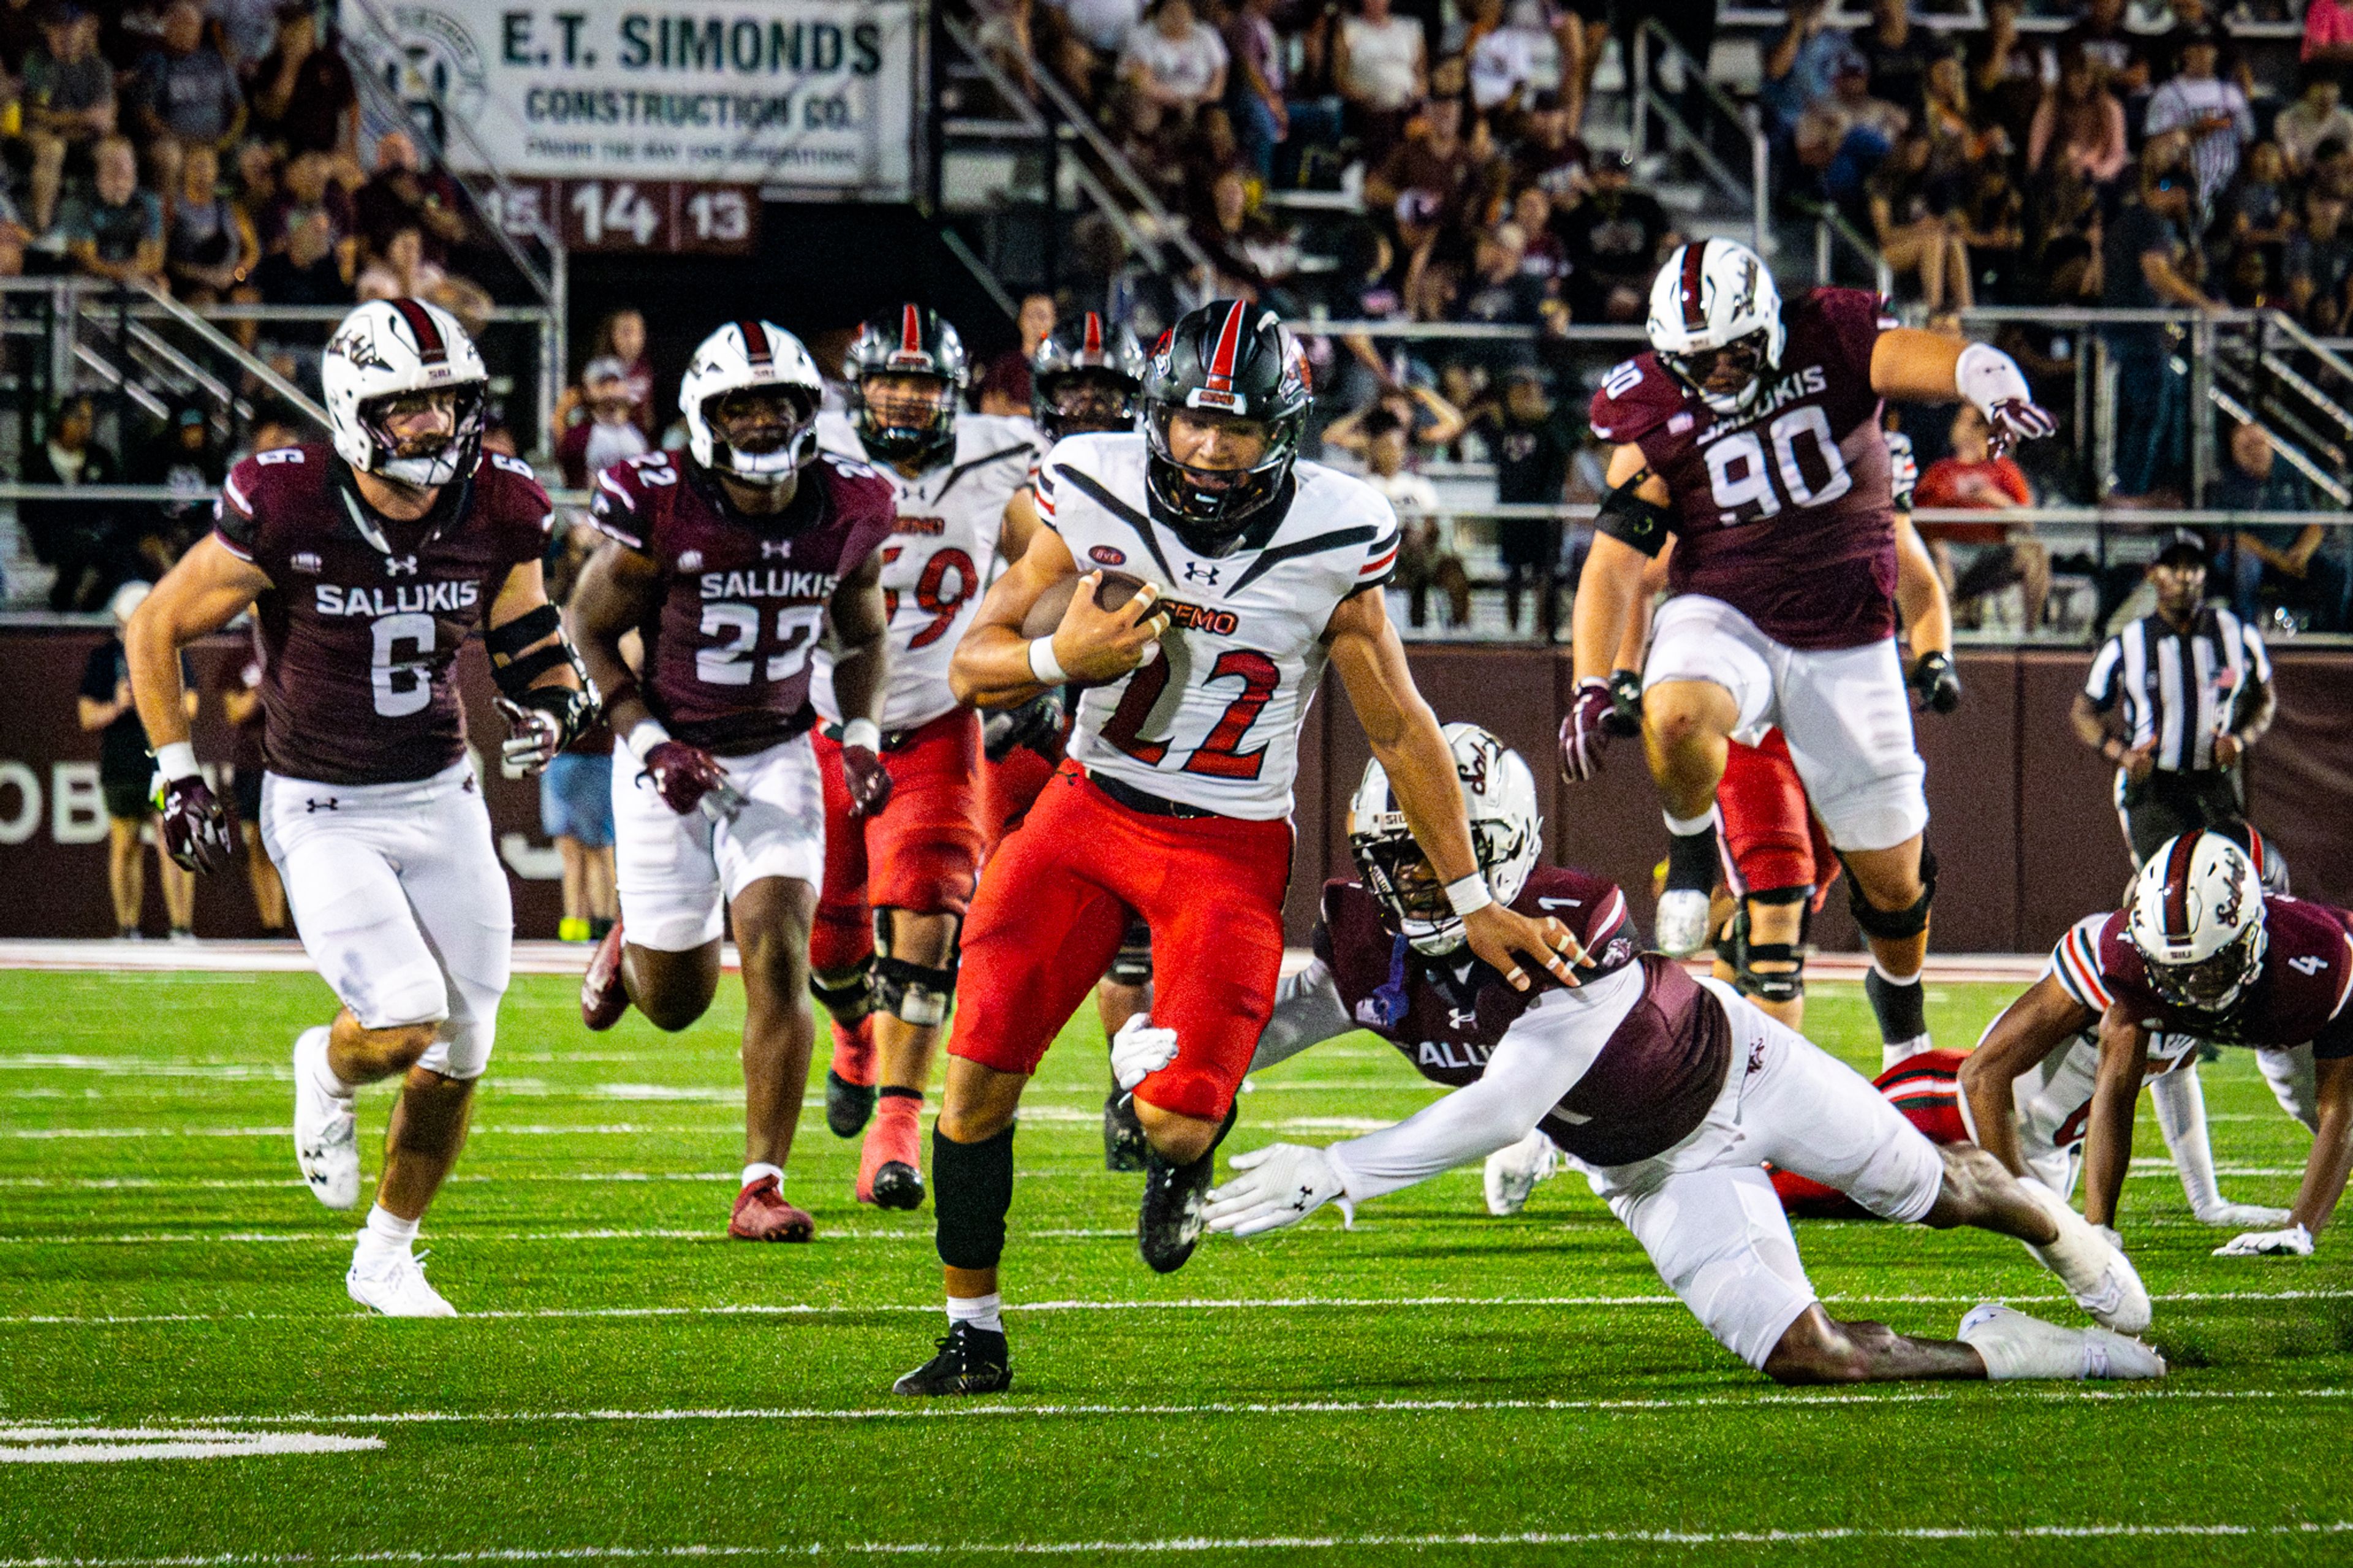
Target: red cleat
<point>603,997</point>
<point>890,1164</point>
<point>763,1215</point>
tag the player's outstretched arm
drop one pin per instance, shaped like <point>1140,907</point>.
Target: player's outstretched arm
<point>1612,579</point>
<point>2325,1168</point>
<point>1307,1012</point>
<point>1370,661</point>
<point>2115,1095</point>
<point>996,667</point>
<point>2028,1030</point>
<point>1929,367</point>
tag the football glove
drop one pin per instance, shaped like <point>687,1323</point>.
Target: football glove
<point>866,780</point>
<point>197,833</point>
<point>2015,420</point>
<point>1594,716</point>
<point>1937,682</point>
<point>1275,1186</point>
<point>546,720</point>
<point>2293,1242</point>
<point>1036,724</point>
<point>1139,1050</point>
<point>683,775</point>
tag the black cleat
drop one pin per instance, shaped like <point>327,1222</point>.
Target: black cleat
<point>847,1106</point>
<point>1122,1134</point>
<point>971,1360</point>
<point>899,1186</point>
<point>1169,1223</point>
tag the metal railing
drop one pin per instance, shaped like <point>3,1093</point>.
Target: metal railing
<point>1643,100</point>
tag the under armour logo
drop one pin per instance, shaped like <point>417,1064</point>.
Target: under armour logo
<point>776,547</point>
<point>400,565</point>
<point>1197,573</point>
<point>312,804</point>
<point>1462,1017</point>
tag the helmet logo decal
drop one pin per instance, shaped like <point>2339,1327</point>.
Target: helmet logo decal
<point>358,346</point>
<point>1695,262</point>
<point>756,345</point>
<point>910,355</point>
<point>431,349</point>
<point>1748,300</point>
<point>2177,887</point>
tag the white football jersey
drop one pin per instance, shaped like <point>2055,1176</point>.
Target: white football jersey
<point>940,558</point>
<point>1214,722</point>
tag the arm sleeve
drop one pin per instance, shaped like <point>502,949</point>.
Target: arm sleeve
<point>2077,961</point>
<point>233,516</point>
<point>1307,1012</point>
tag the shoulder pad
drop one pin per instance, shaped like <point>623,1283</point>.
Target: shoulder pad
<point>513,466</point>
<point>1636,397</point>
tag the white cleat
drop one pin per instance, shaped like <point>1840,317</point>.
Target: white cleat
<point>394,1283</point>
<point>2096,1273</point>
<point>2245,1216</point>
<point>1682,922</point>
<point>2014,1345</point>
<point>1513,1172</point>
<point>326,1127</point>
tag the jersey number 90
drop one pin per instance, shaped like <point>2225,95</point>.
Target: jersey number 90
<point>1748,486</point>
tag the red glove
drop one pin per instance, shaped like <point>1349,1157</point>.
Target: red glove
<point>867,780</point>
<point>195,829</point>
<point>683,775</point>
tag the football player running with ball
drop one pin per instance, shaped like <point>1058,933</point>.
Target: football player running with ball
<point>1667,1091</point>
<point>1245,571</point>
<point>367,563</point>
<point>1751,433</point>
<point>730,564</point>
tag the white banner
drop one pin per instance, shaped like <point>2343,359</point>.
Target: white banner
<point>816,95</point>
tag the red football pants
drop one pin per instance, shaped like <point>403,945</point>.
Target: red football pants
<point>1008,789</point>
<point>1927,1089</point>
<point>1771,836</point>
<point>1056,899</point>
<point>921,855</point>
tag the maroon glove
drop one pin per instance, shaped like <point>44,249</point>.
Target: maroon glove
<point>195,829</point>
<point>2015,420</point>
<point>683,775</point>
<point>869,782</point>
<point>1595,715</point>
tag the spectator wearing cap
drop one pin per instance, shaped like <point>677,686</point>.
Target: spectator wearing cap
<point>1381,67</point>
<point>68,97</point>
<point>72,536</point>
<point>1005,380</point>
<point>1845,136</point>
<point>1972,479</point>
<point>621,335</point>
<point>607,436</point>
<point>116,232</point>
<point>1615,239</point>
<point>2141,269</point>
<point>185,94</point>
<point>2174,700</point>
<point>124,772</point>
<point>2328,33</point>
<point>183,457</point>
<point>2317,115</point>
<point>303,96</point>
<point>2213,111</point>
<point>2286,563</point>
<point>1176,59</point>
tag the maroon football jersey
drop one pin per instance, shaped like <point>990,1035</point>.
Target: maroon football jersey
<point>2300,995</point>
<point>743,600</point>
<point>358,638</point>
<point>1784,511</point>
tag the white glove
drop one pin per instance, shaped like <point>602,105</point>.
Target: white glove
<point>1280,1185</point>
<point>2240,1215</point>
<point>1139,1050</point>
<point>2293,1242</point>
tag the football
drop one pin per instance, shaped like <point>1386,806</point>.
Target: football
<point>1115,589</point>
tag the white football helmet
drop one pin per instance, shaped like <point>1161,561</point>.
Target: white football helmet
<point>1715,322</point>
<point>1499,795</point>
<point>2197,920</point>
<point>390,348</point>
<point>753,357</point>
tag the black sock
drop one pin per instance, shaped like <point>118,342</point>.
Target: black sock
<point>972,1190</point>
<point>1902,1007</point>
<point>1691,860</point>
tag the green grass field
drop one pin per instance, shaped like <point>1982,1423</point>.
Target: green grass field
<point>1435,1386</point>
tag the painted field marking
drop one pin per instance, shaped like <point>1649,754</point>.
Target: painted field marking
<point>67,1445</point>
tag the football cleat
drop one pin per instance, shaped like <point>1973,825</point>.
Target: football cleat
<point>1169,1221</point>
<point>1682,921</point>
<point>2098,1274</point>
<point>763,1215</point>
<point>971,1360</point>
<point>849,1081</point>
<point>890,1165</point>
<point>392,1283</point>
<point>603,997</point>
<point>2014,1345</point>
<point>326,1127</point>
<point>1122,1134</point>
<point>1513,1174</point>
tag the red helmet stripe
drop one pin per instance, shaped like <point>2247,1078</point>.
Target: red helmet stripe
<point>2176,887</point>
<point>1229,342</point>
<point>910,329</point>
<point>1093,341</point>
<point>1694,262</point>
<point>429,345</point>
<point>755,343</point>
<point>2256,849</point>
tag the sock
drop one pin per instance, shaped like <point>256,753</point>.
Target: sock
<point>1691,852</point>
<point>2181,1114</point>
<point>972,1189</point>
<point>599,926</point>
<point>327,1079</point>
<point>981,1312</point>
<point>759,1168</point>
<point>1903,1010</point>
<point>387,1231</point>
<point>572,928</point>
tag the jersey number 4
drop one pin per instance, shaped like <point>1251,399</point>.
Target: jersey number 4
<point>1742,477</point>
<point>1220,754</point>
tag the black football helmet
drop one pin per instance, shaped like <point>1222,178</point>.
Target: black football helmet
<point>1086,384</point>
<point>911,341</point>
<point>1226,362</point>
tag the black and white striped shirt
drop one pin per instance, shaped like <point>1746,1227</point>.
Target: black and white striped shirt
<point>2180,689</point>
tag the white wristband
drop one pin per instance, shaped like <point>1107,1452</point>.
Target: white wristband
<point>644,736</point>
<point>1989,378</point>
<point>1043,664</point>
<point>1469,894</point>
<point>863,733</point>
<point>176,760</point>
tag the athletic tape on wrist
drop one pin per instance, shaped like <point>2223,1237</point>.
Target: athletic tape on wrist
<point>1989,377</point>
<point>176,760</point>
<point>1469,894</point>
<point>644,736</point>
<point>1043,664</point>
<point>863,733</point>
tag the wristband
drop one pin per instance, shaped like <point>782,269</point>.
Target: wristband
<point>863,733</point>
<point>644,736</point>
<point>1043,664</point>
<point>1469,894</point>
<point>176,760</point>
<point>1988,377</point>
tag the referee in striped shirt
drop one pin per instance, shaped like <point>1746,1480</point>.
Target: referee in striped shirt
<point>2174,701</point>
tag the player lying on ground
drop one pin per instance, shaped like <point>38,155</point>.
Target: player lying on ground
<point>1246,572</point>
<point>730,562</point>
<point>1752,434</point>
<point>367,564</point>
<point>2199,949</point>
<point>1667,1091</point>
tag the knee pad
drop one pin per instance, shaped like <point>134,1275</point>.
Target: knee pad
<point>1785,979</point>
<point>846,994</point>
<point>1895,925</point>
<point>1133,967</point>
<point>916,994</point>
<point>972,1188</point>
